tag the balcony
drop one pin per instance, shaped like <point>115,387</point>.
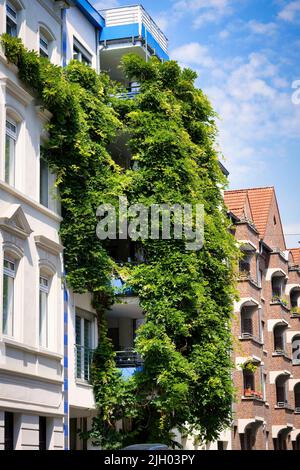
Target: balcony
<point>129,358</point>
<point>129,29</point>
<point>129,362</point>
<point>83,361</point>
<point>129,94</point>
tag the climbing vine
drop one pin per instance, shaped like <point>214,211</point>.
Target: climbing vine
<point>186,296</point>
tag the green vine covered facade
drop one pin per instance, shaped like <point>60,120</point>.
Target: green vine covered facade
<point>186,296</point>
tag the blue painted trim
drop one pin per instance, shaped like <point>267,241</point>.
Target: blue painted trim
<point>66,370</point>
<point>64,36</point>
<point>132,30</point>
<point>90,13</point>
<point>119,32</point>
<point>154,44</point>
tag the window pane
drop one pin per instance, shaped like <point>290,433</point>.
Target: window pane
<point>87,334</point>
<point>8,304</point>
<point>43,319</point>
<point>79,349</point>
<point>11,27</point>
<point>10,149</point>
<point>44,183</point>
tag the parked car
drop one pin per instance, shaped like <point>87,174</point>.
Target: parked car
<point>155,447</point>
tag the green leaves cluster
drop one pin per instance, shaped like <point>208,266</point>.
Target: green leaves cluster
<point>186,296</point>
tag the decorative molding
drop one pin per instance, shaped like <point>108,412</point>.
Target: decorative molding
<point>15,222</point>
<point>48,245</point>
<point>18,194</point>
<point>17,92</point>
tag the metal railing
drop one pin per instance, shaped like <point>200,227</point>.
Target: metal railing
<point>284,405</point>
<point>128,358</point>
<point>135,14</point>
<point>130,94</point>
<point>83,361</point>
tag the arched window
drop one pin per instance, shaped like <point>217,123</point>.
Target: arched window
<point>297,397</point>
<point>45,281</point>
<point>46,42</point>
<point>296,349</point>
<point>11,260</point>
<point>281,391</point>
<point>247,322</point>
<point>13,125</point>
<point>279,339</point>
<point>278,285</point>
<point>295,299</point>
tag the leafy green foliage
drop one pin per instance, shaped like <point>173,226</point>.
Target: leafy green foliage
<point>186,296</point>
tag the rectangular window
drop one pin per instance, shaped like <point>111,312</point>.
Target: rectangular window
<point>44,183</point>
<point>10,152</point>
<point>11,20</point>
<point>8,431</point>
<point>44,46</point>
<point>43,321</point>
<point>80,53</point>
<point>83,329</point>
<point>9,274</point>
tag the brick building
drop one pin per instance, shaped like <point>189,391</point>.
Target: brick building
<point>266,326</point>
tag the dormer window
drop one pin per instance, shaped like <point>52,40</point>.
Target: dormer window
<point>11,20</point>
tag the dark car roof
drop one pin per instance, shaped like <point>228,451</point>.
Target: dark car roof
<point>147,447</point>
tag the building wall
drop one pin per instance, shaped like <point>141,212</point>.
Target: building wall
<point>79,27</point>
<point>261,415</point>
<point>31,376</point>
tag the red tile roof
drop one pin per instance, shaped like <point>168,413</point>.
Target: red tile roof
<point>296,255</point>
<point>260,202</point>
<point>236,201</point>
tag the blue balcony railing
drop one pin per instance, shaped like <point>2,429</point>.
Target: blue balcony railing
<point>130,94</point>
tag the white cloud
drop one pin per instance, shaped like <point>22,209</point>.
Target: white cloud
<point>193,53</point>
<point>254,103</point>
<point>262,28</point>
<point>104,4</point>
<point>204,11</point>
<point>290,12</point>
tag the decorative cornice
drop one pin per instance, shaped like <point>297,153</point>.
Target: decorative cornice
<point>48,245</point>
<point>17,91</point>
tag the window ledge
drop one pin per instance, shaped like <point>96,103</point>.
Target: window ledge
<point>31,349</point>
<point>282,354</point>
<point>281,304</point>
<point>83,383</point>
<point>18,194</point>
<point>253,339</point>
<point>261,400</point>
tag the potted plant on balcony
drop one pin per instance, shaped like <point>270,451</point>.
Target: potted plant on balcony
<point>295,311</point>
<point>248,392</point>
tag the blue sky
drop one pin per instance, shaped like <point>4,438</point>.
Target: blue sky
<point>247,55</point>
